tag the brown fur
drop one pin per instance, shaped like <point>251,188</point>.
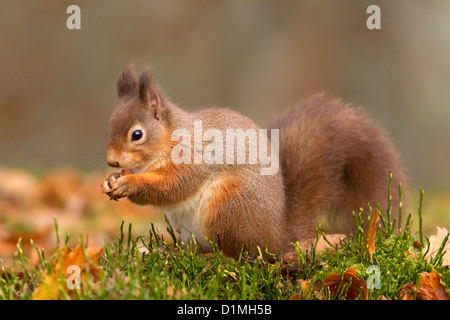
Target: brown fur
<point>126,84</point>
<point>232,204</point>
<point>333,160</point>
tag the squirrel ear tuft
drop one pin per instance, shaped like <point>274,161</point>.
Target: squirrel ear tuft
<point>149,92</point>
<point>126,84</point>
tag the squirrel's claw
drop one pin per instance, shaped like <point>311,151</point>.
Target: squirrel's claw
<point>119,189</point>
<point>108,184</point>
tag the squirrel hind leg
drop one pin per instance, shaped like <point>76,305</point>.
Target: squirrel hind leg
<point>365,182</point>
<point>239,224</point>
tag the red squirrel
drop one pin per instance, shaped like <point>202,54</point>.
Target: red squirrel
<point>329,160</point>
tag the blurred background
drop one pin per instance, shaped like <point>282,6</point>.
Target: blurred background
<point>57,86</point>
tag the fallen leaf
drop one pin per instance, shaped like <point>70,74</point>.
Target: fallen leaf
<point>435,244</point>
<point>296,296</point>
<point>431,287</point>
<point>416,245</point>
<point>347,286</point>
<point>371,231</point>
<point>50,287</point>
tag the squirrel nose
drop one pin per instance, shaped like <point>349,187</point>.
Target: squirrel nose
<point>113,164</point>
<point>111,161</point>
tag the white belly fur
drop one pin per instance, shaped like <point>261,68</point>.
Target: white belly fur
<point>186,217</point>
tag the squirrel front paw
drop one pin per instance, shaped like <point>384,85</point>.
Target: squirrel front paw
<point>106,185</point>
<point>120,187</point>
<point>115,186</point>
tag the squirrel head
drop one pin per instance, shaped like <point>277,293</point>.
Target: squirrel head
<point>138,125</point>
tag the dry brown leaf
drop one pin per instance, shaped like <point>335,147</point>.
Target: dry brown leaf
<point>49,288</point>
<point>371,231</point>
<point>348,284</point>
<point>296,296</point>
<point>435,244</point>
<point>431,287</point>
<point>416,245</point>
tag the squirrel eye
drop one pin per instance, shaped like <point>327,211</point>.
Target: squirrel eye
<point>136,135</point>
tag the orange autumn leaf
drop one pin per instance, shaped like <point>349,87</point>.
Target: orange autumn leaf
<point>371,231</point>
<point>296,296</point>
<point>347,286</point>
<point>63,267</point>
<point>431,287</point>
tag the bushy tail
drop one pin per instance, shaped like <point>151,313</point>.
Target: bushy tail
<point>335,160</point>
